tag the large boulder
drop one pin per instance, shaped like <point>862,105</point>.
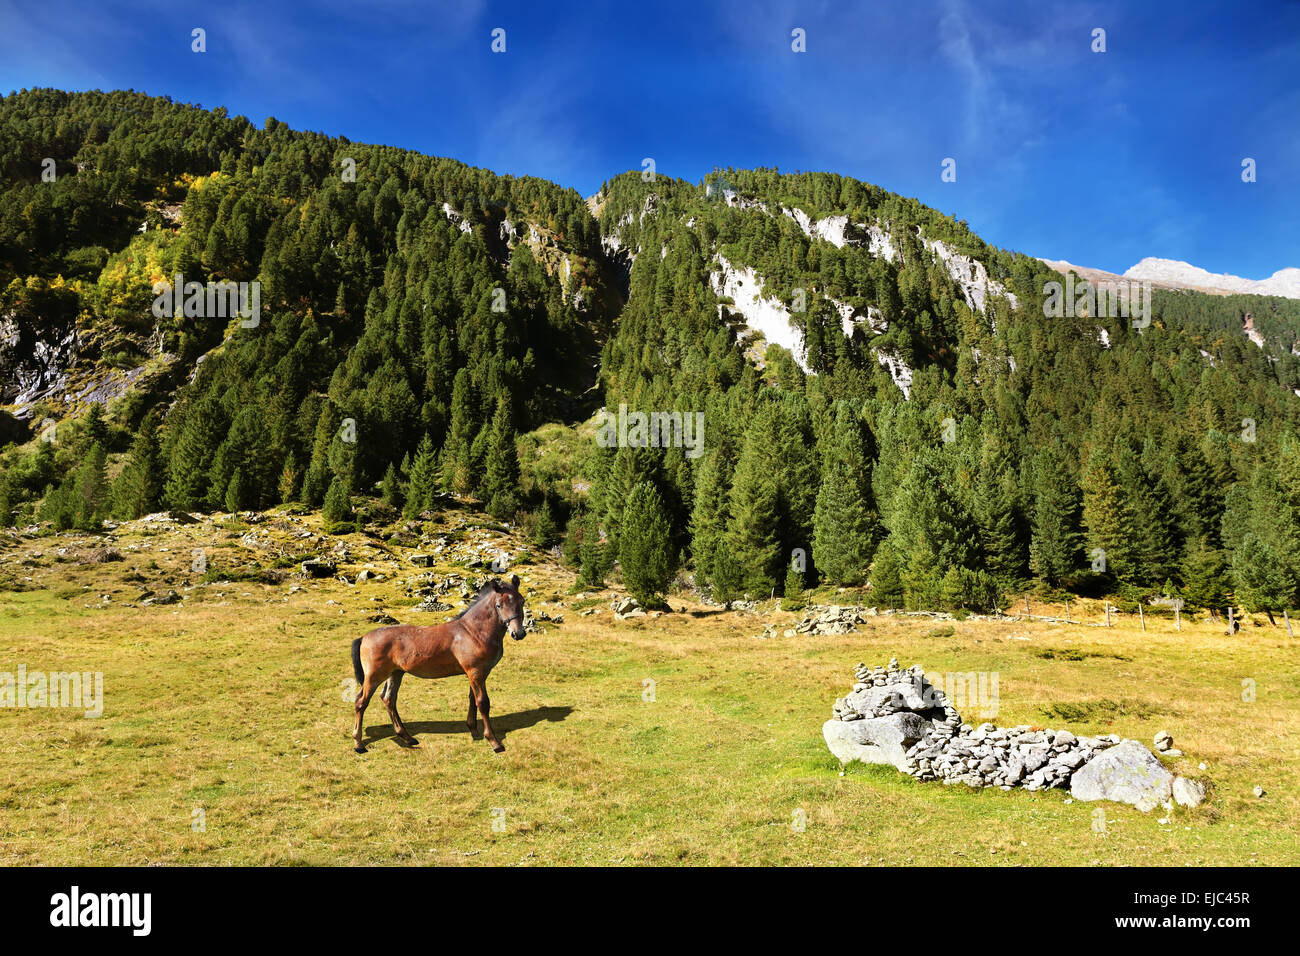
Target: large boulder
<point>1125,773</point>
<point>875,739</point>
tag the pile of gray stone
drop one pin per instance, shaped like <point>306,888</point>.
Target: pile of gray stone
<point>626,607</point>
<point>833,620</point>
<point>896,716</point>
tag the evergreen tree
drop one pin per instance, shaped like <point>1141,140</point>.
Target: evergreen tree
<point>754,537</point>
<point>138,488</point>
<point>646,554</point>
<point>424,479</point>
<point>845,525</point>
<point>1054,543</point>
<point>595,553</point>
<point>546,534</point>
<point>338,503</point>
<point>711,514</point>
<point>393,488</point>
<point>1205,575</point>
<point>235,495</point>
<point>792,598</point>
<point>287,486</point>
<point>501,478</point>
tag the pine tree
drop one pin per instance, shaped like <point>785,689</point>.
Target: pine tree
<point>711,514</point>
<point>1055,540</point>
<point>595,553</point>
<point>338,503</point>
<point>931,530</point>
<point>754,536</point>
<point>392,488</point>
<point>1110,534</point>
<point>1205,575</point>
<point>138,488</point>
<point>546,533</point>
<point>501,469</point>
<point>887,575</point>
<point>456,464</point>
<point>89,490</point>
<point>187,477</point>
<point>235,495</point>
<point>845,524</point>
<point>424,479</point>
<point>288,483</point>
<point>646,554</point>
<point>793,599</point>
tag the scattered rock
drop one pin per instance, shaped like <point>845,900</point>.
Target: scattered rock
<point>102,556</point>
<point>382,618</point>
<point>1258,791</point>
<point>1163,740</point>
<point>1188,793</point>
<point>318,568</point>
<point>421,560</point>
<point>171,597</point>
<point>626,607</point>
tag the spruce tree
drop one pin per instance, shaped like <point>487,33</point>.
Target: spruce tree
<point>546,533</point>
<point>138,488</point>
<point>754,536</point>
<point>646,555</point>
<point>235,495</point>
<point>711,514</point>
<point>1055,541</point>
<point>845,524</point>
<point>392,488</point>
<point>595,554</point>
<point>424,479</point>
<point>501,468</point>
<point>338,503</point>
<point>287,486</point>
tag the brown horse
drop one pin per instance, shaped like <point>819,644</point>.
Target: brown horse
<point>469,644</point>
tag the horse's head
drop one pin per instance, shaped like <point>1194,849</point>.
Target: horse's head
<point>508,604</point>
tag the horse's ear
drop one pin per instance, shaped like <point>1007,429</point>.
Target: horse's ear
<point>514,581</point>
<point>496,585</point>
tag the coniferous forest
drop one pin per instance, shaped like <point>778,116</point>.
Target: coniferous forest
<point>428,328</point>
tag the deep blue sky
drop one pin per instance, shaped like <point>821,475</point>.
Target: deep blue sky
<point>1098,158</point>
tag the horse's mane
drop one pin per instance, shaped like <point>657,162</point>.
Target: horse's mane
<point>487,586</point>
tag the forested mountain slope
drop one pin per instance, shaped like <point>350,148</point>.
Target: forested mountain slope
<point>883,394</point>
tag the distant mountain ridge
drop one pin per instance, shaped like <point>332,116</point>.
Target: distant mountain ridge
<point>1175,274</point>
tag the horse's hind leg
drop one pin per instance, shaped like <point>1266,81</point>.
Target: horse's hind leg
<point>389,697</point>
<point>368,687</point>
<point>472,720</point>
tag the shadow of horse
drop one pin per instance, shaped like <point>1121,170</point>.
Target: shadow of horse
<point>504,725</point>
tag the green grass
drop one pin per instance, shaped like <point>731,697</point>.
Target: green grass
<point>234,705</point>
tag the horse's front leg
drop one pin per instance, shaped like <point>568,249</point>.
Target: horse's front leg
<point>472,720</point>
<point>478,681</point>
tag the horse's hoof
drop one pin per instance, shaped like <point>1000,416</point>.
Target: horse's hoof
<point>408,741</point>
<point>359,750</point>
<point>498,748</point>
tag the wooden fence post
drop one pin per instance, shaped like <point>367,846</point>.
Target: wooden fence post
<point>1142,617</point>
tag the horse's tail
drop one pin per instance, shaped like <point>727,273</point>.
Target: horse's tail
<point>356,662</point>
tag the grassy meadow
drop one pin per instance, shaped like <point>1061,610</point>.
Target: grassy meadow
<point>225,736</point>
